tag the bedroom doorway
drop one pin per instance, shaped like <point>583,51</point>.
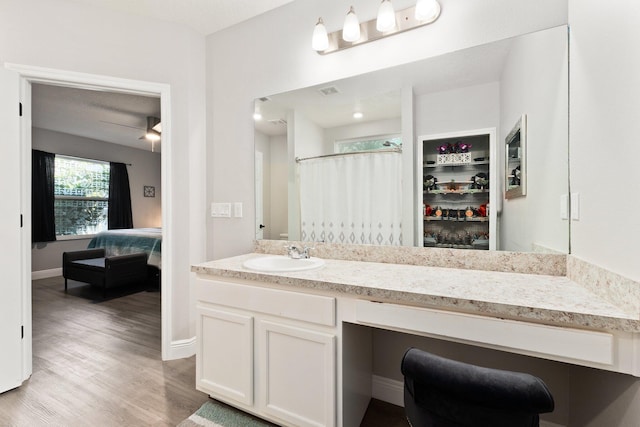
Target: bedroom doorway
<point>28,76</point>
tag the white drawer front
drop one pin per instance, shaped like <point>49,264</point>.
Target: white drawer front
<point>544,340</point>
<point>294,305</point>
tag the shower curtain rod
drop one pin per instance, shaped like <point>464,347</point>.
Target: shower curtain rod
<point>384,150</point>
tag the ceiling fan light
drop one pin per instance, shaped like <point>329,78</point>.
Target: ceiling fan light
<point>320,39</point>
<point>152,135</point>
<point>351,28</point>
<point>386,20</point>
<point>427,10</point>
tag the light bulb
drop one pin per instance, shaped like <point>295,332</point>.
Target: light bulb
<point>351,28</point>
<point>357,115</point>
<point>152,136</point>
<point>386,17</point>
<point>320,39</point>
<point>257,116</point>
<point>427,10</point>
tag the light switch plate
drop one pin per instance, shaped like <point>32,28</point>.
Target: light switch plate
<point>564,206</point>
<point>237,209</point>
<point>575,206</point>
<point>221,210</point>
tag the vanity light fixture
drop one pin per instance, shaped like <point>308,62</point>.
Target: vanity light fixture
<point>351,28</point>
<point>320,39</point>
<point>388,22</point>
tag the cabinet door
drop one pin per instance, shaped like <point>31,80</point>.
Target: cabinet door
<point>297,374</point>
<point>224,362</point>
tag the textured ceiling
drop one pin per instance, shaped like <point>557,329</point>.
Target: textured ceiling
<point>203,16</point>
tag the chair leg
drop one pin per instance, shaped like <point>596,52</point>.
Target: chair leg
<point>65,284</point>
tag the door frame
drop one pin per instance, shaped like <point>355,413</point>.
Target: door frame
<point>32,74</point>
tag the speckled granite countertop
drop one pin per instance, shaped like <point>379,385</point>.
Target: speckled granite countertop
<point>554,300</point>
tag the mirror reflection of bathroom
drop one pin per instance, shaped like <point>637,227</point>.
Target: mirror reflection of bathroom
<point>483,89</point>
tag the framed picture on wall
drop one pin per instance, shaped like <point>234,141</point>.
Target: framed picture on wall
<point>149,191</point>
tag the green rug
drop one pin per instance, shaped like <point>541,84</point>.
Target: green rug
<point>217,414</point>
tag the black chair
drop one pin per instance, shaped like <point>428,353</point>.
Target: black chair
<point>440,392</point>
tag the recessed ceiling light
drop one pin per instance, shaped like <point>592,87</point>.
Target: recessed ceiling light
<point>257,116</point>
<point>357,115</point>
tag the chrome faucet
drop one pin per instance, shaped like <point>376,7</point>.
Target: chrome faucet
<point>296,252</point>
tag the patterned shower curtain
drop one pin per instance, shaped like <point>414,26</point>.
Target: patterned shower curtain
<point>354,198</point>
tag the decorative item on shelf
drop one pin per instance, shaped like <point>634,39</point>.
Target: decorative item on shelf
<point>430,182</point>
<point>427,210</point>
<point>469,212</point>
<point>438,211</point>
<point>482,210</point>
<point>480,181</point>
<point>452,185</point>
<point>515,176</point>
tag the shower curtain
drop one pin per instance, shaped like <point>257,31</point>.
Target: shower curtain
<point>354,198</point>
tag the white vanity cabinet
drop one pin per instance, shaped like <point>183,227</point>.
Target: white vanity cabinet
<point>269,351</point>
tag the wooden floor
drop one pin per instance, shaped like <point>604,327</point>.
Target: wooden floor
<point>98,363</point>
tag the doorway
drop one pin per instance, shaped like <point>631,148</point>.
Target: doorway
<point>35,75</point>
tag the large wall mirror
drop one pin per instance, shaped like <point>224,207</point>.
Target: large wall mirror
<point>311,186</point>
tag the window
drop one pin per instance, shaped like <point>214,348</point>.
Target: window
<point>371,143</point>
<point>81,190</point>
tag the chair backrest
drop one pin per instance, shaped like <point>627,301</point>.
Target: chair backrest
<point>440,392</point>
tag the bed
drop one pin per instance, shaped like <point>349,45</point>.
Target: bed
<point>130,241</point>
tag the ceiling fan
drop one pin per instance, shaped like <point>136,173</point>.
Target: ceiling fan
<point>152,132</point>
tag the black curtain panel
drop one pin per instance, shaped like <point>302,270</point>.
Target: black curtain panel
<point>120,215</point>
<point>43,222</point>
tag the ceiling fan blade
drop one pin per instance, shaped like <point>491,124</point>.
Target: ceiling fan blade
<point>120,124</point>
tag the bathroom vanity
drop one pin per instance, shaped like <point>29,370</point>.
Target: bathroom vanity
<point>295,347</point>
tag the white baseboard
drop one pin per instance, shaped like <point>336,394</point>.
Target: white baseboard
<point>181,349</point>
<point>45,274</point>
<point>387,390</point>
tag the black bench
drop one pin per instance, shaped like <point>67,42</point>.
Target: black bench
<point>93,267</point>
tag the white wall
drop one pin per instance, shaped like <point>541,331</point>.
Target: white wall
<point>71,36</point>
<point>144,170</point>
<point>462,109</point>
<point>604,146</point>
<point>604,152</point>
<point>286,62</point>
<point>535,82</point>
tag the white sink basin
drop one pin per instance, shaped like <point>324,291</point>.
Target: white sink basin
<point>279,263</point>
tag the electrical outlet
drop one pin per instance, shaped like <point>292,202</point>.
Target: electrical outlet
<point>221,210</point>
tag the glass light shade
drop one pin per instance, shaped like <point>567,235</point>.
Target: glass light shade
<point>320,39</point>
<point>386,17</point>
<point>152,135</point>
<point>427,10</point>
<point>351,28</point>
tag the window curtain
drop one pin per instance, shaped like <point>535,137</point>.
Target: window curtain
<point>354,198</point>
<point>43,220</point>
<point>120,215</point>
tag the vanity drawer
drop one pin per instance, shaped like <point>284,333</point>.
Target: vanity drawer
<point>293,305</point>
<point>554,342</point>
